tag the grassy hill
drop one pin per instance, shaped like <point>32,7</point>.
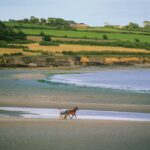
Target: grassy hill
<point>67,46</point>
<point>85,34</point>
<point>89,33</point>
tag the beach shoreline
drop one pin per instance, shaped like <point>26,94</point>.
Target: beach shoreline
<point>69,99</point>
<point>71,68</point>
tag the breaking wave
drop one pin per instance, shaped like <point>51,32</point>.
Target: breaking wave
<point>131,80</point>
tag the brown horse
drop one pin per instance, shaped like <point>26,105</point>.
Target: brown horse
<point>69,113</point>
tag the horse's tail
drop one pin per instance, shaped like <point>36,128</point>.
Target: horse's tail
<point>60,110</point>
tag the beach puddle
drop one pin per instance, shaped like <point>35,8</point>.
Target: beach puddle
<point>81,114</point>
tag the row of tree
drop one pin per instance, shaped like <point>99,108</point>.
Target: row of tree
<point>49,21</point>
<point>131,26</point>
<point>8,34</point>
<point>59,22</point>
<point>147,25</point>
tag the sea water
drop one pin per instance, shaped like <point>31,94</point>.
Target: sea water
<point>131,80</point>
<point>106,86</point>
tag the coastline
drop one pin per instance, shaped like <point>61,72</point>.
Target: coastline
<point>60,100</point>
<point>146,65</point>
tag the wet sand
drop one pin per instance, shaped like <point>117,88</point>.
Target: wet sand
<point>23,76</point>
<point>20,88</point>
<point>39,103</point>
<point>44,134</point>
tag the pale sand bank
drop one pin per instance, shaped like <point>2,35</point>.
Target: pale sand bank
<point>24,76</point>
<point>44,134</point>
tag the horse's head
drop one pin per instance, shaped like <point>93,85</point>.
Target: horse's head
<point>76,108</point>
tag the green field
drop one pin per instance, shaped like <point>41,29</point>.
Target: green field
<point>88,29</point>
<point>115,30</point>
<point>88,33</point>
<point>27,25</point>
<point>92,35</point>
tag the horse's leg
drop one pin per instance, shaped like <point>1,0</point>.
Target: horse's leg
<point>60,117</point>
<point>75,115</point>
<point>65,117</point>
<point>70,116</point>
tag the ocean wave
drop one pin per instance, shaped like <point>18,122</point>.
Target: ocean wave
<point>132,80</point>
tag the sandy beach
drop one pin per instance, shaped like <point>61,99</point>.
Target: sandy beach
<point>23,88</point>
<point>73,134</point>
<point>54,104</point>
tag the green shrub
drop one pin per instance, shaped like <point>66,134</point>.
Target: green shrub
<point>32,51</point>
<point>68,52</point>
<point>22,41</point>
<point>4,44</point>
<point>16,54</point>
<point>88,53</point>
<point>105,37</point>
<point>46,38</point>
<point>13,54</point>
<point>42,34</point>
<point>126,44</point>
<point>137,40</point>
<point>44,53</point>
<point>8,34</point>
<point>48,43</point>
<point>6,55</point>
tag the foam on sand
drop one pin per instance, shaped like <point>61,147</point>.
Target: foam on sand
<point>131,80</point>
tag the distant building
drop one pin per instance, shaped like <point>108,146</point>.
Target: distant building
<point>79,25</point>
<point>118,26</point>
<point>146,23</point>
<point>114,26</point>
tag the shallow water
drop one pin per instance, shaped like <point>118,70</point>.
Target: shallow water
<point>130,80</point>
<point>14,88</point>
<point>81,114</point>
